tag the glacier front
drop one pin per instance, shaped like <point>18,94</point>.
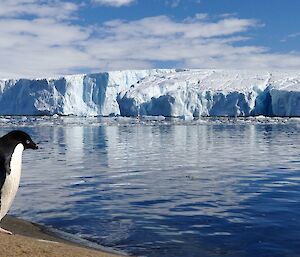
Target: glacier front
<point>156,92</point>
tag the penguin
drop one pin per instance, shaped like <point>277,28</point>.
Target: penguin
<point>11,149</point>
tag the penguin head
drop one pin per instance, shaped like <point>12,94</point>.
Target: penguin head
<point>22,137</point>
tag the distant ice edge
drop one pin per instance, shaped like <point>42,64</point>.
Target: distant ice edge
<point>157,92</point>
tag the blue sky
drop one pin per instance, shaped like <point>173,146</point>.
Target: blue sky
<point>42,38</point>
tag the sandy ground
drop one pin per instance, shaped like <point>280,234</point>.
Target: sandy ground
<point>30,240</point>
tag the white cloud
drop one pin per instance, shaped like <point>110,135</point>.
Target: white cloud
<point>161,39</point>
<point>44,43</point>
<point>114,3</point>
<point>50,43</point>
<point>40,47</point>
<point>191,43</point>
<point>293,35</point>
<point>173,3</point>
<point>290,36</point>
<point>163,26</point>
<point>50,8</point>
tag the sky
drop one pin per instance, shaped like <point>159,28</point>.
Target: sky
<point>44,38</point>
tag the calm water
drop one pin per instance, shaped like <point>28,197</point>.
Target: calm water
<point>228,189</point>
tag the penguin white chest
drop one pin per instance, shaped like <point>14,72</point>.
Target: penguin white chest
<point>12,181</point>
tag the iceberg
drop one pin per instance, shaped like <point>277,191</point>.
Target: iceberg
<point>186,93</point>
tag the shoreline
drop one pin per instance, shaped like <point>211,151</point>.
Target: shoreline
<point>30,239</point>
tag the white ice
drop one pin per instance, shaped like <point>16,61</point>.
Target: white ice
<point>168,93</point>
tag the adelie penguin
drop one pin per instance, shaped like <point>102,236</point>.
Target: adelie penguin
<point>11,149</point>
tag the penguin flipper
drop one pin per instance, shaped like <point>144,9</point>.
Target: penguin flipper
<point>3,173</point>
<point>4,169</point>
<point>7,165</point>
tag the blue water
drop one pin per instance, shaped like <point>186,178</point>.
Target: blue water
<point>163,189</point>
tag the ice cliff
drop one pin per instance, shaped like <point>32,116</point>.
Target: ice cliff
<point>176,93</point>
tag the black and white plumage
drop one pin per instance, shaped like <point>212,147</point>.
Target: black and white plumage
<point>11,149</point>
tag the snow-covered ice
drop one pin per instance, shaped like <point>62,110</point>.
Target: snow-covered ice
<point>166,92</point>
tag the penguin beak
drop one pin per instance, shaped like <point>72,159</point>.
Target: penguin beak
<point>33,146</point>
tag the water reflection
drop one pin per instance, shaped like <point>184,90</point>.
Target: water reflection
<point>168,190</point>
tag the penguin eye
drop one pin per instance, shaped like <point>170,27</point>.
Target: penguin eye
<point>27,142</point>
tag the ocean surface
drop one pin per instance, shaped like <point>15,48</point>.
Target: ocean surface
<point>158,188</point>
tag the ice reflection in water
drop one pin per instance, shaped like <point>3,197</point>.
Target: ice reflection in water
<point>168,190</point>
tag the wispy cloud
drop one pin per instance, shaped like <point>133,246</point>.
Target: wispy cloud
<point>51,8</point>
<point>38,38</point>
<point>290,36</point>
<point>50,43</point>
<point>173,3</point>
<point>41,46</point>
<point>114,3</point>
<point>178,42</point>
<point>163,27</point>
